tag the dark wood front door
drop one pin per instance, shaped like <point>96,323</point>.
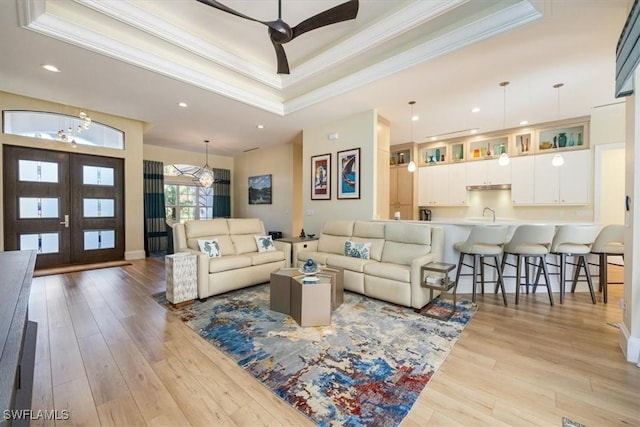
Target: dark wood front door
<point>68,207</point>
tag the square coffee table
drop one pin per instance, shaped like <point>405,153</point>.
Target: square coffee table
<point>311,300</point>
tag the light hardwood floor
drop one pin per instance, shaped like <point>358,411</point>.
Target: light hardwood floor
<point>111,355</point>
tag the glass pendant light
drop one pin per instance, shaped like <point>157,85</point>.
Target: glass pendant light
<point>204,176</point>
<point>504,160</point>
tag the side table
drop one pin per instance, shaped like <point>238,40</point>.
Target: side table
<point>182,282</point>
<point>435,276</point>
<point>297,244</point>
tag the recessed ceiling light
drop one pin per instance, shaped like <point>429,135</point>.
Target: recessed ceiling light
<point>473,131</point>
<point>415,118</point>
<point>51,68</point>
<point>475,110</point>
<point>523,123</point>
<point>433,138</point>
<point>260,126</point>
<point>183,104</point>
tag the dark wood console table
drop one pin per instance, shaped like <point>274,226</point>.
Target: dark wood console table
<point>17,333</point>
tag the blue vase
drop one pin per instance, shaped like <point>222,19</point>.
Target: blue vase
<point>437,155</point>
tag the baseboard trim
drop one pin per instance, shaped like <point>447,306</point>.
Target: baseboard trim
<point>131,255</point>
<point>630,345</point>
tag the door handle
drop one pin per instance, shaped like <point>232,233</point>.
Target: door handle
<point>66,221</point>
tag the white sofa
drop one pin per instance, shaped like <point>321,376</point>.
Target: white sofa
<point>241,264</point>
<point>398,250</point>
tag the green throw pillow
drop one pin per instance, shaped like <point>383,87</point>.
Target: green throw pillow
<point>210,247</point>
<point>357,249</point>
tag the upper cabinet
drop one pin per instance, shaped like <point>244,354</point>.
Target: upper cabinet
<point>567,184</point>
<point>487,173</point>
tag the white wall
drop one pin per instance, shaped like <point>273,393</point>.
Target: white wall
<point>283,163</point>
<point>356,131</point>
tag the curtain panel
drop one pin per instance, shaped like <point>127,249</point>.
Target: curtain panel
<point>222,193</point>
<point>155,228</point>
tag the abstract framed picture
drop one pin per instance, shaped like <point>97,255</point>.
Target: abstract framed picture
<point>349,174</point>
<point>260,190</point>
<point>320,177</point>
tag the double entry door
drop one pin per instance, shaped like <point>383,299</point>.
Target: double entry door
<point>68,207</point>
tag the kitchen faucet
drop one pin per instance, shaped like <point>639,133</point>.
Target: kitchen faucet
<point>492,211</point>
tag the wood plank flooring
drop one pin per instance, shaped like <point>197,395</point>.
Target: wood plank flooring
<point>112,356</point>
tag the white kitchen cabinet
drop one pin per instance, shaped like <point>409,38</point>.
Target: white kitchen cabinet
<point>442,185</point>
<point>522,180</point>
<point>457,184</point>
<point>487,172</point>
<point>562,185</point>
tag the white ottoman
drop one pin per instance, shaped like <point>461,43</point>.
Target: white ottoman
<point>182,287</point>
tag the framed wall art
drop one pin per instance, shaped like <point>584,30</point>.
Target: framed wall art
<point>321,177</point>
<point>260,190</point>
<point>349,174</point>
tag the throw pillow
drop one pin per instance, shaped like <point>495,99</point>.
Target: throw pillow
<point>357,249</point>
<point>265,243</point>
<point>210,247</point>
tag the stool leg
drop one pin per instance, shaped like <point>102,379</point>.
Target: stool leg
<point>518,284</point>
<point>527,265</point>
<point>588,274</point>
<point>563,259</point>
<point>545,270</point>
<point>482,273</point>
<point>502,265</point>
<point>603,276</point>
<point>500,281</point>
<point>576,274</point>
<point>475,276</point>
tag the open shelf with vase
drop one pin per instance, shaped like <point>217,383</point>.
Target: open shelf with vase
<point>488,148</point>
<point>567,137</point>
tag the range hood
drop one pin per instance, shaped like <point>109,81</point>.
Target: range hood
<point>489,187</point>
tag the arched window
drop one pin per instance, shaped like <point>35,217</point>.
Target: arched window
<point>61,127</point>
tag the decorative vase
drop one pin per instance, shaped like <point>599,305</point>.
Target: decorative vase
<point>580,142</point>
<point>437,154</point>
<point>401,158</point>
<point>571,141</point>
<point>488,150</point>
<point>555,141</point>
<point>461,151</point>
<point>392,161</point>
<point>562,139</point>
<point>431,159</point>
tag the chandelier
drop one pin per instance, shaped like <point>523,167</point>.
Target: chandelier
<point>204,176</point>
<point>72,130</point>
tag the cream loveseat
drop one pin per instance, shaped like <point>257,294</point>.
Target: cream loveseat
<point>397,251</point>
<point>241,264</point>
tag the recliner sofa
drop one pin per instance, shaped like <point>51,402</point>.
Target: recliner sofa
<point>397,251</point>
<point>241,264</point>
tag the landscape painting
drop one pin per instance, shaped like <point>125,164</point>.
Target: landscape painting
<point>260,190</point>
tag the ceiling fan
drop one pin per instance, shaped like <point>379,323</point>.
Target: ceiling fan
<point>280,32</point>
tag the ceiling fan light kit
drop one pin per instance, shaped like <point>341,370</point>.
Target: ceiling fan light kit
<point>280,32</point>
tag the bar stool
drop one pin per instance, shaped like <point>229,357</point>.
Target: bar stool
<point>574,241</point>
<point>610,241</point>
<point>529,241</point>
<point>483,241</point>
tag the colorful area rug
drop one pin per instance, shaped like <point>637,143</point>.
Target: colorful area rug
<point>366,369</point>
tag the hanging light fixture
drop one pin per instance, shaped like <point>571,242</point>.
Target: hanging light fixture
<point>412,165</point>
<point>204,176</point>
<point>504,160</point>
<point>558,160</point>
<point>73,129</point>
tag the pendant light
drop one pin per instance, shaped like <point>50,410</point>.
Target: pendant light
<point>558,160</point>
<point>412,165</point>
<point>204,176</point>
<point>504,160</point>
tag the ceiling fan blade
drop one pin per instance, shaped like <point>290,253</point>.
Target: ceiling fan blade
<point>220,6</point>
<point>283,63</point>
<point>342,12</point>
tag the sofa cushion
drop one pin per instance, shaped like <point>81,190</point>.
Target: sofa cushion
<point>230,262</point>
<point>210,247</point>
<point>374,230</point>
<point>357,249</point>
<point>419,234</point>
<point>253,226</point>
<point>332,244</point>
<point>244,243</point>
<point>348,263</point>
<point>264,243</point>
<point>399,272</point>
<point>338,228</point>
<point>206,227</point>
<point>318,257</point>
<point>259,258</point>
<point>403,253</point>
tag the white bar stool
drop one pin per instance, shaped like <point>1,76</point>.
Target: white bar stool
<point>610,241</point>
<point>574,241</point>
<point>483,241</point>
<point>529,241</point>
